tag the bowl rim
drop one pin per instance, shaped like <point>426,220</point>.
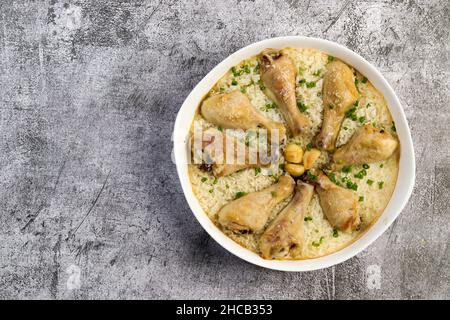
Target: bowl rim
<point>406,174</point>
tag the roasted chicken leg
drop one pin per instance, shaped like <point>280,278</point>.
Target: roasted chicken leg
<point>215,147</point>
<point>278,74</point>
<point>367,145</point>
<point>284,235</point>
<point>339,205</point>
<point>339,95</point>
<point>250,212</point>
<point>235,111</point>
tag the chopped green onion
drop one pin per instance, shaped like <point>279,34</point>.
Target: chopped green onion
<point>261,85</point>
<point>351,185</point>
<point>370,182</point>
<point>351,114</point>
<point>318,243</point>
<point>347,169</point>
<point>330,58</point>
<point>257,171</point>
<point>311,176</point>
<point>366,166</point>
<point>380,184</point>
<point>335,233</point>
<point>317,72</point>
<point>239,194</point>
<point>234,82</point>
<point>309,146</point>
<point>302,107</point>
<point>364,80</point>
<point>311,84</point>
<point>361,199</point>
<point>215,181</point>
<point>302,82</point>
<point>332,177</point>
<point>393,128</point>
<point>308,219</point>
<point>204,179</point>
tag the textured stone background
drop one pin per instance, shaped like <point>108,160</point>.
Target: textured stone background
<point>90,204</point>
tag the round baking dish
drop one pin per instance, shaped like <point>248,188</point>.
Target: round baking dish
<point>406,175</point>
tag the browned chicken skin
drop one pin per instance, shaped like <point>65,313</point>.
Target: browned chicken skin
<point>339,205</point>
<point>285,235</point>
<point>223,164</point>
<point>367,145</point>
<point>278,74</point>
<point>339,95</point>
<point>234,111</point>
<point>250,212</point>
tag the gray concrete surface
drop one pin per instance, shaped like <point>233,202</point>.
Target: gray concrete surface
<point>90,204</point>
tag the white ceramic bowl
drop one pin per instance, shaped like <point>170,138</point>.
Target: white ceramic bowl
<point>406,176</point>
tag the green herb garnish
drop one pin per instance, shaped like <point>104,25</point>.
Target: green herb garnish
<point>335,233</point>
<point>351,185</point>
<point>257,171</point>
<point>234,82</point>
<point>308,219</point>
<point>366,166</point>
<point>330,58</point>
<point>311,84</point>
<point>270,106</point>
<point>380,185</point>
<point>352,112</point>
<point>318,243</point>
<point>311,176</point>
<point>317,72</point>
<point>393,128</point>
<point>347,169</point>
<point>261,85</point>
<point>370,182</point>
<point>309,146</point>
<point>204,179</point>
<point>239,194</point>
<point>301,106</point>
<point>332,177</point>
<point>361,199</point>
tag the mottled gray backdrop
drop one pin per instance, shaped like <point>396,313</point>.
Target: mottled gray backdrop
<point>90,204</point>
